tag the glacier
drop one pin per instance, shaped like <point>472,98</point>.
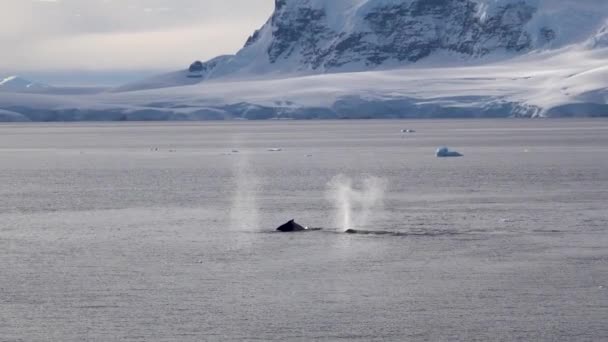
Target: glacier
<point>338,59</point>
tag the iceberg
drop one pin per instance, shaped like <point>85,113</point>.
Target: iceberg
<point>444,152</point>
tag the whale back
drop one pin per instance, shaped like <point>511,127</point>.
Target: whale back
<point>291,226</point>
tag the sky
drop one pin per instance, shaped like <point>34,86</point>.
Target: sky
<point>110,41</point>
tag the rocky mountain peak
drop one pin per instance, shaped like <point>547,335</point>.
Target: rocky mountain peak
<point>322,36</point>
<point>397,31</point>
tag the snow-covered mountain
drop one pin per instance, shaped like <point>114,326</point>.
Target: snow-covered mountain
<point>355,35</point>
<point>19,84</point>
<point>322,36</point>
<point>378,58</point>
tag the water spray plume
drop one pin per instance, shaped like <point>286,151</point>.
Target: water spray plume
<point>355,207</point>
<point>244,211</point>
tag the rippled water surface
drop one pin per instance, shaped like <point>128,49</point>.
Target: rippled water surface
<point>164,232</point>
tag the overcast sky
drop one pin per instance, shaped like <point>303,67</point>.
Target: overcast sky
<point>56,36</point>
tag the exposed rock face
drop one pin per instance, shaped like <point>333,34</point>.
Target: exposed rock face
<point>303,30</point>
<point>322,36</point>
<point>206,68</point>
<point>400,31</point>
<point>197,66</point>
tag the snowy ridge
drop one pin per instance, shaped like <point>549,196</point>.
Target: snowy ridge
<point>377,59</point>
<point>318,36</point>
<point>544,84</point>
<point>305,37</point>
<point>18,84</point>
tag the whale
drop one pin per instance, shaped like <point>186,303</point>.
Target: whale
<point>370,232</point>
<point>291,226</point>
<point>431,233</point>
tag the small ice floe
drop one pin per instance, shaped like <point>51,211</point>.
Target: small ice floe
<point>444,152</point>
<point>275,149</point>
<point>408,131</point>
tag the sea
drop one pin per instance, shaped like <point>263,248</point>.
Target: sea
<point>166,231</point>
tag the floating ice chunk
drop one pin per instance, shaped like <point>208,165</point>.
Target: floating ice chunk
<point>444,152</point>
<point>275,149</point>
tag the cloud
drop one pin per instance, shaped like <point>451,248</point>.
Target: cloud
<point>123,34</point>
<point>174,47</point>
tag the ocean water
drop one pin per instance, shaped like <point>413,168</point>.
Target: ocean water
<point>164,231</point>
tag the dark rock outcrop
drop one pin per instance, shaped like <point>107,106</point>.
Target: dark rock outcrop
<point>197,66</point>
<point>402,32</point>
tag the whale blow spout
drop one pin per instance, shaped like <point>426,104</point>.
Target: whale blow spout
<point>291,226</point>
